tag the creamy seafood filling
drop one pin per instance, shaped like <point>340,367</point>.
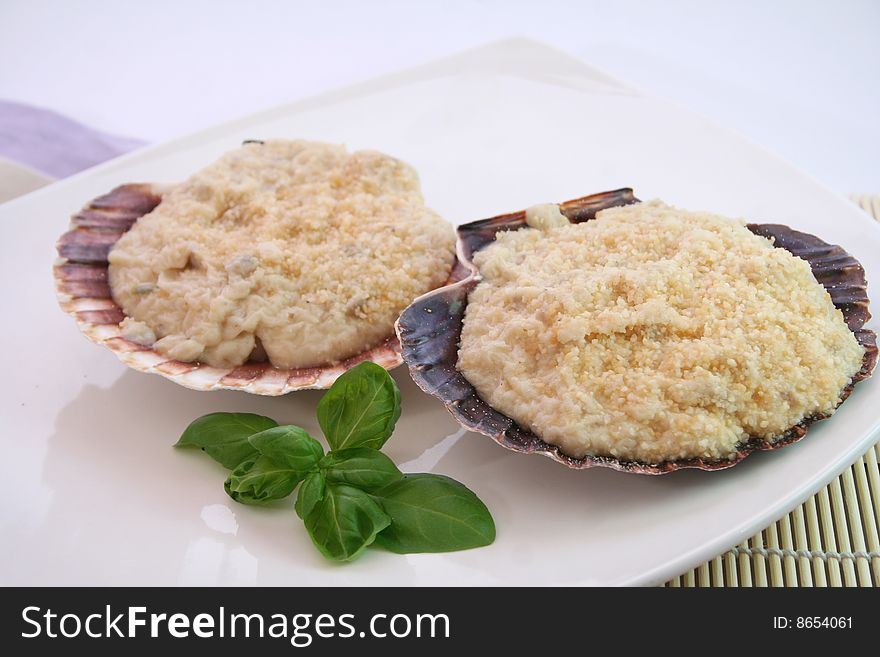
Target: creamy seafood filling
<point>652,334</point>
<point>300,251</point>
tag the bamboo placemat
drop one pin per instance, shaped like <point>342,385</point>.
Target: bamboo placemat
<point>829,540</point>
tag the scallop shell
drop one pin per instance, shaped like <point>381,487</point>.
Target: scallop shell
<point>83,291</point>
<point>430,329</point>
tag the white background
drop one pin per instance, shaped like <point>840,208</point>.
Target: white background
<point>800,78</point>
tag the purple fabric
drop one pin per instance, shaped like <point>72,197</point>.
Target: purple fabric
<point>54,144</point>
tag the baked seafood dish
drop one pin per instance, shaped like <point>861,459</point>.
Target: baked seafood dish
<point>275,268</point>
<point>638,336</point>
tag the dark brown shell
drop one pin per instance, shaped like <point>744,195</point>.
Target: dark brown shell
<point>84,293</point>
<point>430,330</point>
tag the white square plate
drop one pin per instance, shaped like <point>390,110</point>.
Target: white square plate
<point>96,495</point>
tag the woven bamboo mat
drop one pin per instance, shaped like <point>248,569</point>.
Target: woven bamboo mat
<point>830,540</point>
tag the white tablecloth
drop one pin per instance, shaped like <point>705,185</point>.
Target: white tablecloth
<point>798,77</point>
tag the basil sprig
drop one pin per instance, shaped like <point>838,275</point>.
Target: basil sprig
<point>224,436</point>
<point>345,521</point>
<point>283,457</point>
<point>433,513</point>
<point>354,495</point>
<point>361,467</point>
<point>360,409</point>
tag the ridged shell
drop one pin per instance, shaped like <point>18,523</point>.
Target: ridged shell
<point>430,329</point>
<point>84,293</point>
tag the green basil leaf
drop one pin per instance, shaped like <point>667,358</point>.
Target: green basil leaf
<point>260,480</point>
<point>360,467</point>
<point>433,513</point>
<point>361,408</point>
<point>345,522</point>
<point>288,446</point>
<point>310,493</point>
<point>224,436</point>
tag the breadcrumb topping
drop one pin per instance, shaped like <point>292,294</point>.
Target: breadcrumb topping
<point>300,247</point>
<point>653,334</point>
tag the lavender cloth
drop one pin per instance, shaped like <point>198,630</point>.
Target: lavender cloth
<point>54,144</point>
